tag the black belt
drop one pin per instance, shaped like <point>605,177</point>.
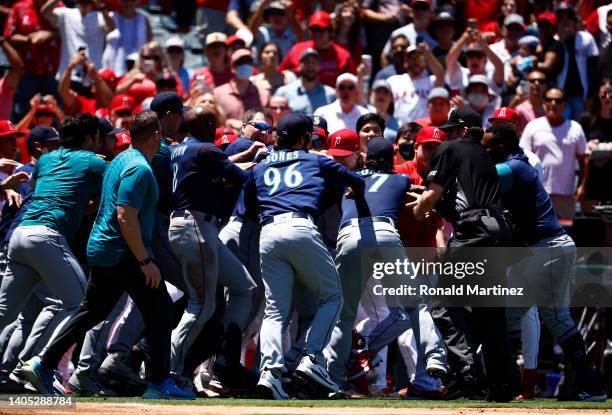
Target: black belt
<point>478,212</point>
<point>294,215</point>
<point>357,221</point>
<point>181,214</point>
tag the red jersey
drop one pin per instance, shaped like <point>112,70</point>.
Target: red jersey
<point>416,233</point>
<point>332,61</point>
<point>41,59</point>
<point>82,104</point>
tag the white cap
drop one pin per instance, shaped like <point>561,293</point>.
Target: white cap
<point>246,35</point>
<point>175,41</point>
<point>346,77</point>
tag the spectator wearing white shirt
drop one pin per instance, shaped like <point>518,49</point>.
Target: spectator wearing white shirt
<point>84,26</point>
<point>558,142</point>
<point>343,112</point>
<point>477,53</point>
<point>508,47</point>
<point>579,65</point>
<point>410,90</point>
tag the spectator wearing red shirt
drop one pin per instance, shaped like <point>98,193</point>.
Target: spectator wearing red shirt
<point>217,72</point>
<point>333,58</point>
<point>415,233</point>
<point>38,45</point>
<point>348,30</point>
<point>79,96</point>
<point>438,107</point>
<point>9,80</point>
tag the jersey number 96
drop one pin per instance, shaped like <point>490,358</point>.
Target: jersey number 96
<point>275,178</point>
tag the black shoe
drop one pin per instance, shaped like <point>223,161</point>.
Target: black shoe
<point>500,393</point>
<point>467,386</point>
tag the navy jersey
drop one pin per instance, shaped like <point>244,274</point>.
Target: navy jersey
<point>385,194</point>
<point>523,194</point>
<point>163,174</point>
<point>238,146</point>
<point>295,181</point>
<point>199,169</point>
<point>11,216</point>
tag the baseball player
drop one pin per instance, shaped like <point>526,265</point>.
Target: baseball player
<point>290,183</point>
<point>201,173</point>
<point>66,180</point>
<point>547,271</point>
<point>385,194</point>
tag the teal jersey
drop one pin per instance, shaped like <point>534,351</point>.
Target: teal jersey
<point>66,180</point>
<point>128,181</point>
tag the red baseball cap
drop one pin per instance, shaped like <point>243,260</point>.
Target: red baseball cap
<point>430,134</point>
<point>109,76</point>
<point>343,143</point>
<point>234,38</point>
<point>320,19</point>
<point>505,114</point>
<point>224,136</point>
<point>8,128</point>
<point>123,141</point>
<point>123,102</point>
<point>549,17</point>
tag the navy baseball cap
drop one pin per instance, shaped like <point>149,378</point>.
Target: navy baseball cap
<point>462,117</point>
<point>318,121</point>
<point>380,149</point>
<point>106,128</point>
<point>167,102</point>
<point>294,125</point>
<point>43,134</point>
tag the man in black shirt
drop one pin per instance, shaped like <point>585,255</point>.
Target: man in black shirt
<point>463,186</point>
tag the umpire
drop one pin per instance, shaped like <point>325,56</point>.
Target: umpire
<point>464,187</point>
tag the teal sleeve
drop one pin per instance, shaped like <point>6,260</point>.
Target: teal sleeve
<point>134,186</point>
<point>506,179</point>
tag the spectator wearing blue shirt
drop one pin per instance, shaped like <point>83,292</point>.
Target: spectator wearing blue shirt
<point>307,94</point>
<point>280,26</point>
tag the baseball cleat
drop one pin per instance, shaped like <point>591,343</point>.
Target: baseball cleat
<point>270,387</point>
<point>436,370</point>
<point>117,374</point>
<point>167,390</point>
<point>311,370</point>
<point>43,381</point>
<point>84,384</point>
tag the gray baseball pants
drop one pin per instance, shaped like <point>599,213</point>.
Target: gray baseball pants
<point>292,249</point>
<point>354,259</point>
<point>205,263</point>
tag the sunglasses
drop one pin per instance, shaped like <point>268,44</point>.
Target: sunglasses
<point>174,50</point>
<point>317,29</point>
<point>151,57</point>
<point>262,126</point>
<point>475,55</point>
<point>346,87</point>
<point>553,100</point>
<point>539,81</point>
<point>124,113</point>
<point>44,114</point>
<point>278,108</point>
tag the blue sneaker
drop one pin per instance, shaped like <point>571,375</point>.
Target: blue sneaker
<point>43,381</point>
<point>167,390</point>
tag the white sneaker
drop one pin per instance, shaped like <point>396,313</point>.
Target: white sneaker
<point>271,387</point>
<point>313,371</point>
<point>436,369</point>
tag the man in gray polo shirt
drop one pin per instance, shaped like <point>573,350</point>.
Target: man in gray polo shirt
<point>307,94</point>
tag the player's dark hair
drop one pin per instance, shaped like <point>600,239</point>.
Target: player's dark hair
<point>380,166</point>
<point>505,134</point>
<point>74,129</point>
<point>249,115</point>
<point>409,128</point>
<point>368,118</point>
<point>143,126</point>
<point>475,133</point>
<point>287,142</point>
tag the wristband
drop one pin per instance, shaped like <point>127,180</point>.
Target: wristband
<point>145,261</point>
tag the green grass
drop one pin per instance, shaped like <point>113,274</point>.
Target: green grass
<point>373,403</point>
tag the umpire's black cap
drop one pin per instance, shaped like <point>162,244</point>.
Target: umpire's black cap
<point>380,150</point>
<point>462,117</point>
<point>294,125</point>
<point>167,102</point>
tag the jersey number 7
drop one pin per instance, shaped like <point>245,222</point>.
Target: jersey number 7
<point>275,177</point>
